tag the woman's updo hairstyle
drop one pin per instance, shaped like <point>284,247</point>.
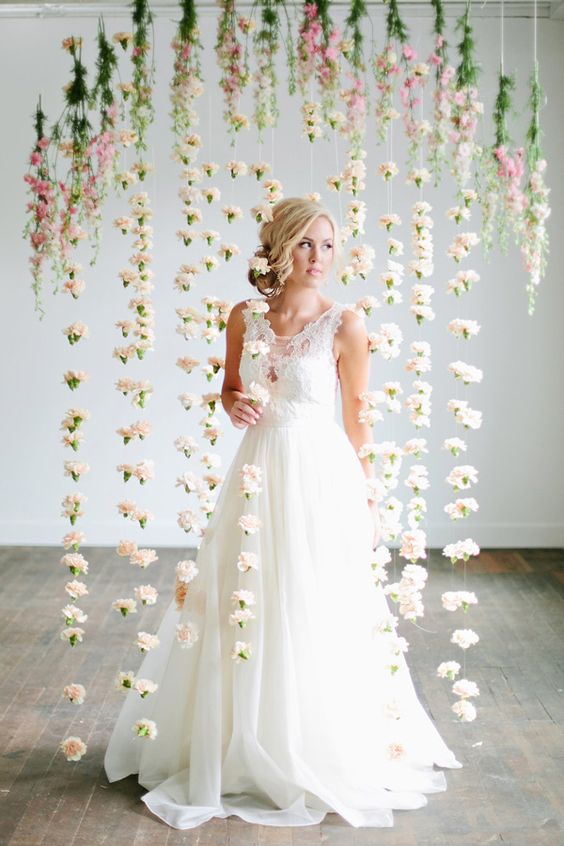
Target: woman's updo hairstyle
<point>291,218</point>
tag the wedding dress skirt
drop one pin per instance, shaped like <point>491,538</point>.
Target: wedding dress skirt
<point>314,720</point>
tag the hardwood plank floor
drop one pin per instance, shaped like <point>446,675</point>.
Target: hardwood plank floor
<point>510,790</point>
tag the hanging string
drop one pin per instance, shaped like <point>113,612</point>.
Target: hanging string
<point>311,143</point>
<point>272,150</point>
<point>502,36</point>
<point>390,158</point>
<point>235,154</point>
<point>535,32</point>
<point>210,136</point>
<point>335,132</point>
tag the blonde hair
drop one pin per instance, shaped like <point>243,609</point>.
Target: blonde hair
<point>290,220</point>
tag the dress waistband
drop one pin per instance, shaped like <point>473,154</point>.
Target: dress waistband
<point>295,421</point>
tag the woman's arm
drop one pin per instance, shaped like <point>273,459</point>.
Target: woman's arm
<point>353,365</point>
<point>234,400</point>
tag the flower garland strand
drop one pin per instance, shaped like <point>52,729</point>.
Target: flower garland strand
<point>138,113</point>
<point>443,93</point>
<point>533,236</point>
<point>355,96</point>
<point>42,208</point>
<point>234,69</point>
<point>318,55</point>
<point>266,42</point>
<point>466,107</point>
<point>462,476</point>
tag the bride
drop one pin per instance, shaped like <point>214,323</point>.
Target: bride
<point>282,689</point>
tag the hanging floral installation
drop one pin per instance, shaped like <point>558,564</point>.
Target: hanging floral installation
<point>318,57</point>
<point>330,69</point>
<point>466,108</point>
<point>234,66</point>
<point>438,136</point>
<point>502,171</point>
<point>533,236</point>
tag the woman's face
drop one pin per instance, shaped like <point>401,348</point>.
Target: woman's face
<point>313,255</point>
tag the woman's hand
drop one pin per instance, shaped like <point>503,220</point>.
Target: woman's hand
<point>244,413</point>
<point>373,506</point>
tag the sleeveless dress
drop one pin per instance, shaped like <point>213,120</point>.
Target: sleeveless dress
<point>314,720</point>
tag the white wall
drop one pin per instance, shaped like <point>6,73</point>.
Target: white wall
<point>518,451</point>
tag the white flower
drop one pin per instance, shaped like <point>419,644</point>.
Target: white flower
<point>448,669</point>
<point>146,594</point>
<point>241,650</point>
<point>247,561</point>
<point>145,728</point>
<point>461,550</point>
<point>125,606</point>
<point>186,571</point>
<point>146,641</point>
<point>249,523</point>
<point>259,266</point>
<point>75,693</point>
<point>388,170</point>
<point>187,634</point>
<point>240,617</point>
<point>242,598</point>
<point>464,638</point>
<point>464,688</point>
<point>144,687</point>
<point>258,394</point>
<point>125,681</point>
<point>461,508</point>
<point>464,710</point>
<point>454,599</point>
<point>462,476</point>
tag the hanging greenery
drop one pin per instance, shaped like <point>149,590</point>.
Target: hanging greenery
<point>102,97</point>
<point>187,76</point>
<point>142,110</point>
<point>442,94</point>
<point>387,67</point>
<point>235,74</point>
<point>266,43</point>
<point>318,54</point>
<point>466,106</point>
<point>42,208</point>
<point>503,103</point>
<point>353,32</point>
<point>533,235</point>
<point>69,202</point>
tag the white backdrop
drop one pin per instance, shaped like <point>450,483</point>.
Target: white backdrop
<point>518,451</point>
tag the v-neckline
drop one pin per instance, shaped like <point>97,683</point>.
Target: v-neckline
<point>302,330</point>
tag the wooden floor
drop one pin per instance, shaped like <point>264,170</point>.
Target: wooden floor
<point>510,790</point>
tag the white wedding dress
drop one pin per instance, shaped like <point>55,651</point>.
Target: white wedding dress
<point>309,723</point>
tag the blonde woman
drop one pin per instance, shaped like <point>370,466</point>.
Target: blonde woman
<point>283,690</point>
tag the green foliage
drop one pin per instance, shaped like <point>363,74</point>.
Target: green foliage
<point>189,20</point>
<point>323,7</point>
<point>39,121</point>
<point>357,12</point>
<point>503,102</point>
<point>395,27</point>
<point>534,133</point>
<point>106,65</point>
<point>439,24</point>
<point>467,71</point>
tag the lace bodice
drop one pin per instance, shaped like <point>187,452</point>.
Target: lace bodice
<point>298,371</point>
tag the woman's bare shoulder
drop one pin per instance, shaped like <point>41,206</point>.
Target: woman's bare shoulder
<point>351,320</point>
<point>351,331</point>
<point>238,309</point>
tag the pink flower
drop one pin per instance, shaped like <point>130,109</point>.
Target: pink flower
<point>73,748</point>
